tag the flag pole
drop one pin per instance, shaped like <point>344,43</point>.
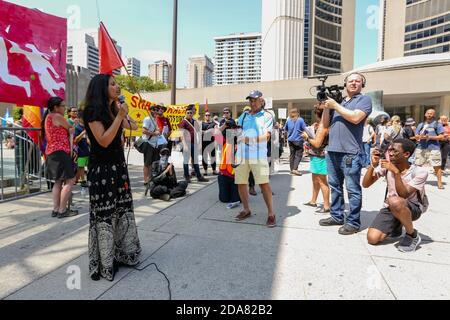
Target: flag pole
<point>123,65</point>
<point>174,53</point>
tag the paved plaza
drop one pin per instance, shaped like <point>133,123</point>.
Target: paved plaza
<point>207,255</point>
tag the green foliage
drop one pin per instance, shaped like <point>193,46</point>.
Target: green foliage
<point>17,113</point>
<point>139,84</point>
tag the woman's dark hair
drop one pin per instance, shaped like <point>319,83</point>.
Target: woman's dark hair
<point>52,103</point>
<point>97,107</point>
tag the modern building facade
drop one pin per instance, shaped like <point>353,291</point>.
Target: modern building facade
<point>306,37</point>
<point>200,72</point>
<point>82,51</point>
<point>237,59</point>
<point>414,27</point>
<point>160,71</point>
<point>133,67</point>
<point>333,36</point>
<point>77,82</point>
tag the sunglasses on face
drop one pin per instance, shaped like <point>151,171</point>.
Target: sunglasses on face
<point>189,113</point>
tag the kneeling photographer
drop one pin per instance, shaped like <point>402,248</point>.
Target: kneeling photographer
<point>405,199</point>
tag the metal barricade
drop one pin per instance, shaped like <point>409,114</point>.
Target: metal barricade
<point>22,168</point>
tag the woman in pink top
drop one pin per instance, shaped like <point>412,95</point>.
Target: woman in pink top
<point>56,130</point>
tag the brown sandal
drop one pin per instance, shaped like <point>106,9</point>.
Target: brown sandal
<point>243,215</point>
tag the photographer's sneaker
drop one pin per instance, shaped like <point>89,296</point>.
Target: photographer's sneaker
<point>410,243</point>
<point>233,205</point>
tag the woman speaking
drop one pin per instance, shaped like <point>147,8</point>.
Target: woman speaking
<point>113,238</point>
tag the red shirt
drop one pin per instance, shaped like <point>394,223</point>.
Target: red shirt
<point>447,131</point>
<point>57,137</point>
<point>163,122</point>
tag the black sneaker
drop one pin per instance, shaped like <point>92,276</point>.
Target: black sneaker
<point>410,243</point>
<point>188,179</point>
<point>54,214</point>
<point>67,214</point>
<point>330,222</point>
<point>348,230</point>
<point>202,179</point>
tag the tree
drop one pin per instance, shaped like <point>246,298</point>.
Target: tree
<point>17,113</point>
<point>138,84</point>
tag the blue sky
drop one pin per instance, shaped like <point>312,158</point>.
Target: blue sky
<point>144,27</point>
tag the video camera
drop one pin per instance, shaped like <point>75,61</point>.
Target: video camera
<point>324,92</point>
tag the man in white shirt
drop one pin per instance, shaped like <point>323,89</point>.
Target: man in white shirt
<point>150,133</point>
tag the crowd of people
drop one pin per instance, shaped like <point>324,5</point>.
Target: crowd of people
<point>87,147</point>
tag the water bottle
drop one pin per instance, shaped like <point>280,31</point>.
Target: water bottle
<point>83,192</point>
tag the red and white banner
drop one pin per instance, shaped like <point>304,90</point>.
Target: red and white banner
<point>33,49</point>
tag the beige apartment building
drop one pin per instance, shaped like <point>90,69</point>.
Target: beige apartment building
<point>200,71</point>
<point>414,27</point>
<point>160,71</point>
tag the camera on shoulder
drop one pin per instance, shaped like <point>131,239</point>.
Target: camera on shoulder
<point>325,92</point>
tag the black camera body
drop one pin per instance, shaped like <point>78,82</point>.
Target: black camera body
<point>232,125</point>
<point>324,93</point>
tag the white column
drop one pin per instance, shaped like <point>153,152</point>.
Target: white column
<point>282,39</point>
<point>445,106</point>
<point>235,111</point>
<point>415,111</point>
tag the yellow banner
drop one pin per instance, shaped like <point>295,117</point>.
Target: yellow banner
<point>140,109</point>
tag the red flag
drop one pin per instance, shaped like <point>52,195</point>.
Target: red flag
<point>109,56</point>
<point>206,106</point>
<point>33,49</point>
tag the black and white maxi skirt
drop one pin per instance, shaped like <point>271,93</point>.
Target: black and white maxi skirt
<point>112,231</point>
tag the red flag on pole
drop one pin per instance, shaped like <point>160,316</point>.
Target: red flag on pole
<point>206,106</point>
<point>110,58</point>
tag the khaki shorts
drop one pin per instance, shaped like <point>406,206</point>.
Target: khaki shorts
<point>433,157</point>
<point>259,168</point>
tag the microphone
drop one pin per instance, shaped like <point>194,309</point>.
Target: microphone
<point>122,99</point>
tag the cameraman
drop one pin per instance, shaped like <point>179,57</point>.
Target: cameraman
<point>345,153</point>
<point>405,195</point>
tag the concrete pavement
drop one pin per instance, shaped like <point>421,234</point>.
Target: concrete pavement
<point>207,255</point>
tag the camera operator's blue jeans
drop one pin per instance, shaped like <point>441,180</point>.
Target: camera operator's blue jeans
<point>339,170</point>
<point>367,155</point>
<point>193,156</point>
